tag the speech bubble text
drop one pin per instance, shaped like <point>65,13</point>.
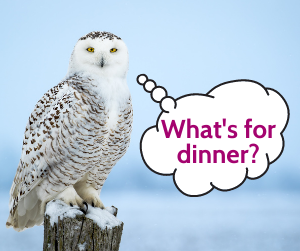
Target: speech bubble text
<point>208,131</point>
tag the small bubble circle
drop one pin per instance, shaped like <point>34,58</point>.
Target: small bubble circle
<point>158,94</point>
<point>141,79</point>
<point>149,85</point>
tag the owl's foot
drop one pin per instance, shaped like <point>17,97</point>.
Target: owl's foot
<point>94,201</point>
<point>91,196</point>
<point>70,197</point>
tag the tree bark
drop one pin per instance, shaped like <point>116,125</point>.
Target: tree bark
<point>80,234</point>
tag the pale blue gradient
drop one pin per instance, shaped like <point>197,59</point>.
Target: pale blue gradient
<point>186,47</point>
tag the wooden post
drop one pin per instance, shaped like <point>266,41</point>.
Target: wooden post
<point>80,233</point>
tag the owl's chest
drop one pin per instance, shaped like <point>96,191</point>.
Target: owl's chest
<point>103,125</point>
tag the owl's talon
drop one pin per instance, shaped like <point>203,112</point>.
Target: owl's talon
<point>71,205</point>
<point>83,207</point>
<point>93,205</point>
<point>87,207</point>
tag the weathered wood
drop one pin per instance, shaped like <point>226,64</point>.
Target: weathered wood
<point>80,234</point>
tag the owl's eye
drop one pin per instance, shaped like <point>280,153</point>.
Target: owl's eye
<point>113,50</point>
<point>90,49</point>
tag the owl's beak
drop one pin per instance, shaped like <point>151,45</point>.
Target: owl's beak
<point>102,62</point>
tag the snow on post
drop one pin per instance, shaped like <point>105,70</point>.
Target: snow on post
<point>67,228</point>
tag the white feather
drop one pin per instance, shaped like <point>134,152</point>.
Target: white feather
<point>21,208</point>
<point>30,200</point>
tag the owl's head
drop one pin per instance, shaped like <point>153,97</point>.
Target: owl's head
<point>100,53</point>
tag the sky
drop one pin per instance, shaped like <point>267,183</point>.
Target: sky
<point>187,47</point>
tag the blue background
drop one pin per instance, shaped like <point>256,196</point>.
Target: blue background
<point>186,47</point>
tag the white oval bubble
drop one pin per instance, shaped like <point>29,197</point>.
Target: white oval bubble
<point>149,85</point>
<point>168,104</point>
<point>158,93</point>
<point>142,79</point>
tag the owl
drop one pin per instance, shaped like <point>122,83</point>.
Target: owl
<point>76,133</point>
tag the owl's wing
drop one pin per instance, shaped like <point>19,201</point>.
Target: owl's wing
<point>44,106</point>
<point>44,123</point>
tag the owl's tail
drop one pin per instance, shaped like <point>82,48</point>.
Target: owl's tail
<point>27,214</point>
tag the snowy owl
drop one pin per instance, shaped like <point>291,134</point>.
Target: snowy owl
<point>77,132</point>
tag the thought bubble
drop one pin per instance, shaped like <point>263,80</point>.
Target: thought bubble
<point>215,140</point>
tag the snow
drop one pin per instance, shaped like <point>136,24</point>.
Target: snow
<point>104,218</point>
<point>81,247</point>
<point>57,208</point>
<point>112,209</point>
